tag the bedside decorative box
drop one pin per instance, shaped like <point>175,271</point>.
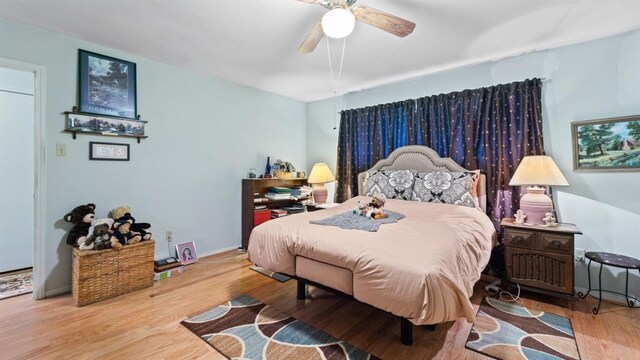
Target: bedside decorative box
<point>103,274</point>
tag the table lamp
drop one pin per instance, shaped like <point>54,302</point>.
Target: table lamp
<point>320,175</point>
<point>533,171</point>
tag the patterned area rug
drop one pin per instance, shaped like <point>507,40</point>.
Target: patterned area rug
<point>15,283</point>
<point>245,328</point>
<point>269,273</point>
<point>512,332</point>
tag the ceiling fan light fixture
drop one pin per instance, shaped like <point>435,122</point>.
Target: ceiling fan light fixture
<point>338,23</point>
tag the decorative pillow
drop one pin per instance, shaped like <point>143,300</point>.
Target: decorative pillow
<point>445,187</point>
<point>393,184</point>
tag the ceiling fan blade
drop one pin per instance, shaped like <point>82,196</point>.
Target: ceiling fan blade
<point>387,22</point>
<point>310,1</point>
<point>312,39</point>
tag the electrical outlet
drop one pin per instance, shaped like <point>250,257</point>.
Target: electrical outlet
<point>579,256</point>
<point>169,235</point>
<point>61,149</point>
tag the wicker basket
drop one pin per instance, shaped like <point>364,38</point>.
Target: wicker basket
<point>279,174</point>
<point>103,274</point>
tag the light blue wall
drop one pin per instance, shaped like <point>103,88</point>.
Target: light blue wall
<point>204,134</point>
<point>592,80</point>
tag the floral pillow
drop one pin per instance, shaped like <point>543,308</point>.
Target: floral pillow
<point>445,187</point>
<point>393,184</point>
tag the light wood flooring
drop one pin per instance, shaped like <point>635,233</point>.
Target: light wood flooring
<point>146,324</point>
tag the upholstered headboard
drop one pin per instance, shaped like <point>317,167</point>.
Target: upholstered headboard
<point>423,159</point>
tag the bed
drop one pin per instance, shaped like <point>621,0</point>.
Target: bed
<point>421,269</point>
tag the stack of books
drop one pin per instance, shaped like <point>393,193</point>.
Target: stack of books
<point>277,213</point>
<point>278,193</point>
<point>300,192</point>
<point>166,268</point>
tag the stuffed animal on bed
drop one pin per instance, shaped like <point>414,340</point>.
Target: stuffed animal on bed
<point>376,205</point>
<point>362,209</point>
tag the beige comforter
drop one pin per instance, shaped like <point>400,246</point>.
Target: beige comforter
<point>422,268</point>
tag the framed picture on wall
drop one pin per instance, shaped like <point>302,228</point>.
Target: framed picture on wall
<point>106,85</point>
<point>108,151</point>
<point>607,144</point>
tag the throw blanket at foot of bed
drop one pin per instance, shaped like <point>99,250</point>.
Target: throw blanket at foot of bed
<point>351,221</point>
<point>422,268</point>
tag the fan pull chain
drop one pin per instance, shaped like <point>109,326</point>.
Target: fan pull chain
<point>333,79</point>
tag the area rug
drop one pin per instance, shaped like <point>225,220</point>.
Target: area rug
<point>272,274</point>
<point>512,332</point>
<point>245,328</point>
<point>16,283</point>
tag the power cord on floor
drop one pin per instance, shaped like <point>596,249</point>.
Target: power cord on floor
<point>503,294</point>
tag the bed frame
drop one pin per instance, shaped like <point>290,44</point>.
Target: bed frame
<point>414,157</point>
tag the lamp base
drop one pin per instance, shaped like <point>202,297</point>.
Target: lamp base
<point>319,193</point>
<point>535,203</point>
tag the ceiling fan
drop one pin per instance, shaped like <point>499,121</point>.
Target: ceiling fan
<point>340,20</point>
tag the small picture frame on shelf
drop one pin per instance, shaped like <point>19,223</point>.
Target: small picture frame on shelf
<point>106,85</point>
<point>108,151</point>
<point>187,253</point>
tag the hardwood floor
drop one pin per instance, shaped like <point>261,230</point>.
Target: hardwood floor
<point>146,324</point>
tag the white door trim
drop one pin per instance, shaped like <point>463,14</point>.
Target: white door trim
<point>39,251</point>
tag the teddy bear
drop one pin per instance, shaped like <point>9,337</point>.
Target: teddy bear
<point>81,217</point>
<point>141,228</point>
<point>99,235</point>
<point>376,205</point>
<point>362,209</point>
<point>122,234</point>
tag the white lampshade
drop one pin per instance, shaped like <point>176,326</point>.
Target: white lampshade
<point>538,170</point>
<point>320,174</point>
<point>338,23</point>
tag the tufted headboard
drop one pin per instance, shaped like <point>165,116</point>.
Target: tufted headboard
<point>423,159</point>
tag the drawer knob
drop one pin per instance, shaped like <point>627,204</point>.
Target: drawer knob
<point>518,239</point>
<point>556,243</point>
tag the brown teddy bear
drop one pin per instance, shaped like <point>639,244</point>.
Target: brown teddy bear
<point>376,204</point>
<point>81,217</point>
<point>138,227</point>
<point>122,234</point>
<point>99,235</point>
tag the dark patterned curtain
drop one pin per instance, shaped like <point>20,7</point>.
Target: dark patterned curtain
<point>489,128</point>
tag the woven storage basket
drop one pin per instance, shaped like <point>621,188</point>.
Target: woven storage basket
<point>103,274</point>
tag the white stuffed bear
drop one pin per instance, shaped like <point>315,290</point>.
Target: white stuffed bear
<point>89,245</point>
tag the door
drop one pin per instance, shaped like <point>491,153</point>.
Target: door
<point>16,169</point>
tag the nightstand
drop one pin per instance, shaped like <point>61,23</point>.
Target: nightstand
<point>540,258</point>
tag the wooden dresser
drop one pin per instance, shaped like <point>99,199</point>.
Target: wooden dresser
<point>540,258</point>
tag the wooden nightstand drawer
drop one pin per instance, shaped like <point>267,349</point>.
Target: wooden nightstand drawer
<point>556,243</point>
<point>520,238</point>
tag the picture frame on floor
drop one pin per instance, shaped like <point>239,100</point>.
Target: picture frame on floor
<point>187,253</point>
<point>106,85</point>
<point>611,144</point>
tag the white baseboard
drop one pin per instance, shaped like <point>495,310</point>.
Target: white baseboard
<point>58,291</point>
<point>614,298</point>
<point>215,252</point>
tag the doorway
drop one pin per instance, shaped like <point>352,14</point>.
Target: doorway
<point>17,170</point>
<point>21,178</point>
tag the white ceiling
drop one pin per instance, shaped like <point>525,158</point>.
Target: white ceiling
<point>254,42</point>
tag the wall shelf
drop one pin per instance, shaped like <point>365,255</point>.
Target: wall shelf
<point>92,124</point>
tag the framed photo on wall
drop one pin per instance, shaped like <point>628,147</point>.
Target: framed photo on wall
<point>108,151</point>
<point>106,85</point>
<point>607,144</point>
<point>187,253</point>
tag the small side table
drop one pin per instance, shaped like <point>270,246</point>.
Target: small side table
<point>611,259</point>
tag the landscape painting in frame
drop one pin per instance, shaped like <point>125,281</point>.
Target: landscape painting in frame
<point>607,144</point>
<point>106,85</point>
